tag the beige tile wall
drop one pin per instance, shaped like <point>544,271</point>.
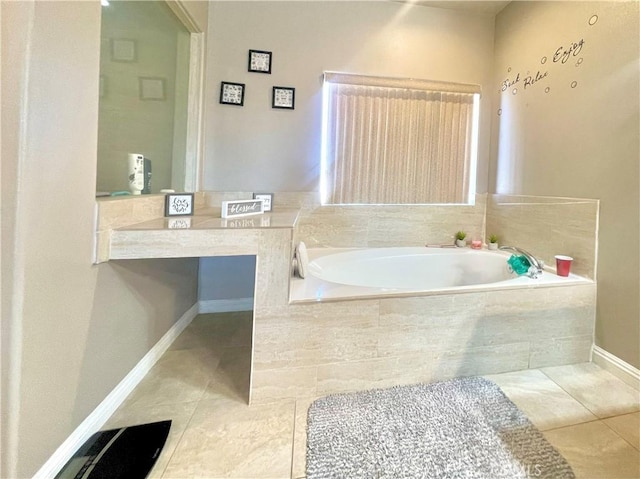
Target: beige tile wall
<point>389,225</point>
<point>547,226</point>
<point>313,349</point>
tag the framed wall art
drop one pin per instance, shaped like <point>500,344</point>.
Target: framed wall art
<point>283,97</point>
<point>259,61</point>
<point>232,93</point>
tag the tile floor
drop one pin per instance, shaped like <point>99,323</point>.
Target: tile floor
<point>201,382</point>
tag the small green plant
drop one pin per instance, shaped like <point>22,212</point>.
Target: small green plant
<point>460,235</point>
<point>493,238</point>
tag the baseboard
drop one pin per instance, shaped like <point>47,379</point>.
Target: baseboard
<point>114,399</point>
<point>616,366</point>
<point>225,305</point>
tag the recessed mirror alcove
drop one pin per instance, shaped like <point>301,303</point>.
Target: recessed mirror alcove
<point>150,91</point>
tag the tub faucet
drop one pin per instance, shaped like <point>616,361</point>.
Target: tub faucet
<point>536,265</point>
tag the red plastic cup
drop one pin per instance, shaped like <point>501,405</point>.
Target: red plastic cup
<point>563,265</point>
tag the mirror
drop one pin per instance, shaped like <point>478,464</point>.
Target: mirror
<point>144,96</point>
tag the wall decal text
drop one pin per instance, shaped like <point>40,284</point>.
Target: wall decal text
<point>563,54</point>
<point>530,80</point>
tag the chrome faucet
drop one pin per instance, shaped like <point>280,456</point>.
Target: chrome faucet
<point>536,265</point>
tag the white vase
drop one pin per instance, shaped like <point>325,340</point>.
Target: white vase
<point>492,246</point>
<point>461,243</point>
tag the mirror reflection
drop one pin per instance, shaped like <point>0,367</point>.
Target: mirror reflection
<point>144,80</point>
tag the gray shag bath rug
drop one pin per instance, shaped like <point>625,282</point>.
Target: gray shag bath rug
<point>462,428</point>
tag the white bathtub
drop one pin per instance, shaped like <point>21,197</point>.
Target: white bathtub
<point>407,271</point>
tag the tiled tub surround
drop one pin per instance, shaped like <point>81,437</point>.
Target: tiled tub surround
<point>320,348</point>
<point>309,349</point>
<point>547,226</point>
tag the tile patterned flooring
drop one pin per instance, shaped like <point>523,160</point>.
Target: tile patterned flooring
<point>200,383</point>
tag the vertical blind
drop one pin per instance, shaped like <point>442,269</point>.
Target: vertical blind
<point>396,141</point>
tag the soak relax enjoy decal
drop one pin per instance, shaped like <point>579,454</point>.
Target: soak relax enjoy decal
<point>569,53</point>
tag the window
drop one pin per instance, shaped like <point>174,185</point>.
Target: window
<point>398,141</point>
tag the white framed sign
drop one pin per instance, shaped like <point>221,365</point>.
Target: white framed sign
<point>233,209</point>
<point>267,198</point>
<point>178,204</point>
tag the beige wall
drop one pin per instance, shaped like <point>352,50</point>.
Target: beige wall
<point>256,147</point>
<point>580,141</point>
<point>70,330</point>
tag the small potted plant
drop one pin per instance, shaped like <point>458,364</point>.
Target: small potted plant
<point>493,242</point>
<point>460,239</point>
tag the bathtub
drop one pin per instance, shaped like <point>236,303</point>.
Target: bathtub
<point>335,274</point>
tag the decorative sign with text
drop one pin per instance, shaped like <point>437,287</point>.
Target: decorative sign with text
<point>561,55</point>
<point>569,52</point>
<point>233,209</point>
<point>178,204</point>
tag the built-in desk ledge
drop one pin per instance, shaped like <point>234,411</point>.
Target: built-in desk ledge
<point>203,234</point>
<point>210,219</point>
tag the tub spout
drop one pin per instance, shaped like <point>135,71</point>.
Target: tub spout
<point>536,265</point>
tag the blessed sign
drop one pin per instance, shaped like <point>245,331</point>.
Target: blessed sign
<point>232,209</point>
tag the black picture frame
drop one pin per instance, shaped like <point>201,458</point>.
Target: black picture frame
<point>283,97</point>
<point>179,204</point>
<point>260,61</point>
<point>232,93</point>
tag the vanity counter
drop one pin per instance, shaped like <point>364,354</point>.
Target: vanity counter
<point>203,234</point>
<point>210,219</point>
<point>135,228</point>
